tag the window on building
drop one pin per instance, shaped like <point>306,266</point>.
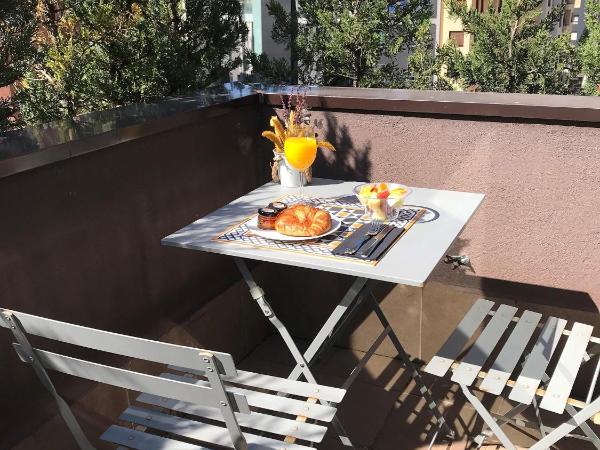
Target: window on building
<point>566,20</point>
<point>458,37</point>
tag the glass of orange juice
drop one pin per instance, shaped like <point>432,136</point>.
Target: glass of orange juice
<point>300,152</point>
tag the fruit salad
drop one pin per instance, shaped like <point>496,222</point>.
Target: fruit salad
<point>381,200</point>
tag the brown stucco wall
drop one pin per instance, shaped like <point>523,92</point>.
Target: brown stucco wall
<point>539,224</point>
<point>534,243</point>
<point>80,241</point>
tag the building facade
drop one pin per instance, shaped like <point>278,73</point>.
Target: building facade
<point>449,28</point>
<point>259,40</point>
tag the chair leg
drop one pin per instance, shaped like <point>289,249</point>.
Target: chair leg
<point>27,355</point>
<point>549,435</point>
<point>561,431</point>
<point>487,418</point>
<point>541,425</point>
<point>500,420</point>
<point>227,403</point>
<point>587,430</point>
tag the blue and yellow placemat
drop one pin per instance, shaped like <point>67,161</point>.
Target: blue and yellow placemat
<point>345,209</point>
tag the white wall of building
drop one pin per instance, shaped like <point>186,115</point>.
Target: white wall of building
<point>269,46</point>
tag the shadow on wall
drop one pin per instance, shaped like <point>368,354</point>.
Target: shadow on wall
<point>349,162</point>
<point>533,296</point>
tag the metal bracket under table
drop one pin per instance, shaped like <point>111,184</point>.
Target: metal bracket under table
<point>325,338</point>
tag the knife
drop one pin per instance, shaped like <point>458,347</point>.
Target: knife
<point>376,241</point>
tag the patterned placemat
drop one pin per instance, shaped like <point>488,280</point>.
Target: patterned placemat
<point>345,209</point>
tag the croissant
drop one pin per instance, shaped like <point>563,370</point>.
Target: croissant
<point>303,220</point>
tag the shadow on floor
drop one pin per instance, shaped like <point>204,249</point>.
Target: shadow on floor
<point>384,411</point>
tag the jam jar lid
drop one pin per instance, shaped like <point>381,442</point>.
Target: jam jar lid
<point>267,212</point>
<point>278,206</point>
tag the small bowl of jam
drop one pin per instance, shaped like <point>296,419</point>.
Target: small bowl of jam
<point>278,206</point>
<point>266,218</point>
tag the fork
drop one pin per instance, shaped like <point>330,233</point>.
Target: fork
<point>374,229</point>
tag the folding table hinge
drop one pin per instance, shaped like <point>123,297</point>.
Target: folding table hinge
<point>259,296</point>
<point>256,292</point>
<point>6,316</point>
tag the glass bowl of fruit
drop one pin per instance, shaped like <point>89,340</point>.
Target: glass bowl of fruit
<point>382,201</point>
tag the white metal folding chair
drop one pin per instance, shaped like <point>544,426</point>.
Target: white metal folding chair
<point>212,399</point>
<point>525,344</point>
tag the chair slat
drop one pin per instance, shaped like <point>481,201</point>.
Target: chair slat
<point>120,344</point>
<point>256,420</point>
<point>471,364</point>
<point>271,402</point>
<point>133,380</point>
<point>441,362</point>
<point>200,431</point>
<point>566,370</point>
<point>144,441</point>
<point>509,356</point>
<point>537,362</point>
<point>278,384</point>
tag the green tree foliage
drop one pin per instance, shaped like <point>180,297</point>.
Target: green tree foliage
<point>268,70</point>
<point>349,42</point>
<point>590,48</point>
<point>105,53</point>
<point>513,50</point>
<point>423,65</point>
<point>17,30</point>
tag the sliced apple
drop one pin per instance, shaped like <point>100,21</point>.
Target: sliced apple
<point>398,192</point>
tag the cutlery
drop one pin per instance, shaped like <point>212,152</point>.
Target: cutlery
<point>376,241</point>
<point>374,229</point>
<point>369,251</point>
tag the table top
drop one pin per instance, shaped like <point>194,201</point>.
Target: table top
<point>410,261</point>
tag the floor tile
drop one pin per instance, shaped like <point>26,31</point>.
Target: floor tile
<point>364,410</point>
<point>381,371</point>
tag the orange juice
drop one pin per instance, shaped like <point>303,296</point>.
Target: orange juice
<point>300,152</point>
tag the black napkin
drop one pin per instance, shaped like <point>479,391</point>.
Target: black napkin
<point>377,253</point>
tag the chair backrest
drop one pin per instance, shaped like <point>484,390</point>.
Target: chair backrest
<point>213,365</point>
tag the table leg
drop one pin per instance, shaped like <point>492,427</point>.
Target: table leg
<point>334,324</point>
<point>414,373</point>
<point>259,296</point>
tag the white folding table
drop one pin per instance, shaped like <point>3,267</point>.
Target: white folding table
<point>410,261</point>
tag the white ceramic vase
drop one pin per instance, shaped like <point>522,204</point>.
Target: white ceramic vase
<point>288,176</point>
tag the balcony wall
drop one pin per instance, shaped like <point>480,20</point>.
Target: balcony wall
<point>85,212</point>
<point>80,242</point>
<point>534,242</point>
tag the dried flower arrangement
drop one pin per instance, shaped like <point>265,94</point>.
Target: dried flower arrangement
<point>296,121</point>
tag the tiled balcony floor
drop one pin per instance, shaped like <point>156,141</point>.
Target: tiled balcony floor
<point>382,410</point>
